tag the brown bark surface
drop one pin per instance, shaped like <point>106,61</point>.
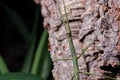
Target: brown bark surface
<point>87,18</point>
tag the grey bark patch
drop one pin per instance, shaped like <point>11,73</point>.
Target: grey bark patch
<point>87,18</point>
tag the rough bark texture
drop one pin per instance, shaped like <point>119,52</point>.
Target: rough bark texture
<point>87,18</point>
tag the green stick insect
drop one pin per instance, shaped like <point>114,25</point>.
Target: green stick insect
<point>72,48</point>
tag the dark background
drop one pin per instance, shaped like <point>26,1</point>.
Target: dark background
<point>12,46</point>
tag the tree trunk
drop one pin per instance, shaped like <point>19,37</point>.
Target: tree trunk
<point>87,18</point>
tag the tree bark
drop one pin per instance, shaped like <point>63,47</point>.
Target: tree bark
<point>87,18</point>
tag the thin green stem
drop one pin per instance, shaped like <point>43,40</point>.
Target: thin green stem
<point>39,53</point>
<point>72,49</point>
<point>28,59</point>
<point>3,66</point>
<point>31,42</point>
